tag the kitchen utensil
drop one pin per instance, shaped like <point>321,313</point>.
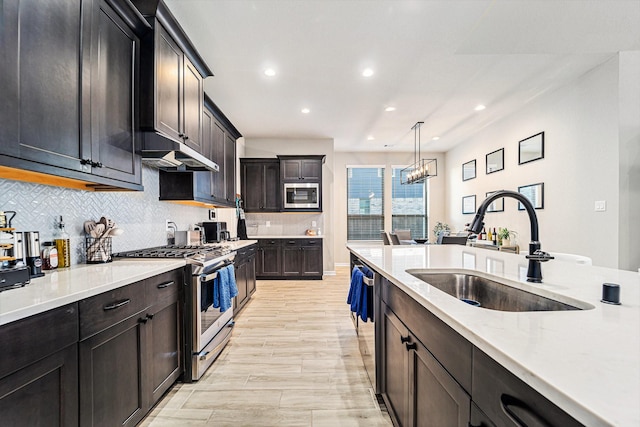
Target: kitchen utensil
<point>32,240</point>
<point>98,230</point>
<point>89,226</point>
<point>115,232</point>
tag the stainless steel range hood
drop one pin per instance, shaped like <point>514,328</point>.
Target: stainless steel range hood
<point>162,152</point>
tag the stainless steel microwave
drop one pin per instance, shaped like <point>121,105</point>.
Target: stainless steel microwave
<point>301,196</point>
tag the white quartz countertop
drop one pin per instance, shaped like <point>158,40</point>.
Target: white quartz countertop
<point>587,361</point>
<point>64,286</point>
<point>286,236</point>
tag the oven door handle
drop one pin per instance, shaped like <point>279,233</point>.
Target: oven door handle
<point>211,276</point>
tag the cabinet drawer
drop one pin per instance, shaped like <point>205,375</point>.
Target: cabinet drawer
<point>104,310</point>
<point>165,285</point>
<point>28,340</point>
<point>311,242</point>
<point>263,243</point>
<point>504,398</point>
<point>451,349</point>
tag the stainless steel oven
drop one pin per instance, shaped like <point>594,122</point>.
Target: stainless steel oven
<point>211,329</point>
<point>205,329</point>
<point>301,195</point>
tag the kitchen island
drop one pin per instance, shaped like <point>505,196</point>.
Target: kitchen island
<point>587,362</point>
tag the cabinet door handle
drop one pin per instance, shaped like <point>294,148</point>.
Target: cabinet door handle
<point>507,402</point>
<point>116,304</point>
<point>411,346</point>
<point>165,284</point>
<point>292,242</point>
<point>405,339</point>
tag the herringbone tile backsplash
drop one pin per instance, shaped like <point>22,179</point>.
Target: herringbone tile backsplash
<point>140,214</point>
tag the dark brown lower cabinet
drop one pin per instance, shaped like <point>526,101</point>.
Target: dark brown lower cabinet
<point>44,393</point>
<point>290,258</point>
<point>112,368</point>
<point>129,358</point>
<point>39,370</point>
<point>418,390</point>
<point>245,265</point>
<point>432,376</point>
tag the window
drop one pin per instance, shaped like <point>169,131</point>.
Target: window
<point>408,206</point>
<point>365,203</point>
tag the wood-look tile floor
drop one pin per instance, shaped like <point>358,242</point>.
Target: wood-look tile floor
<point>293,360</point>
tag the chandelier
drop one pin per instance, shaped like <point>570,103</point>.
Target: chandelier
<point>421,169</point>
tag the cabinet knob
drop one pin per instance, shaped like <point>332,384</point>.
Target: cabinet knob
<point>185,137</point>
<point>405,339</point>
<point>411,346</point>
<point>97,164</point>
<point>149,316</point>
<point>143,320</point>
<point>85,161</point>
<point>181,135</point>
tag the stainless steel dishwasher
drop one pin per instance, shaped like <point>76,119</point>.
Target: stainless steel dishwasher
<point>366,330</point>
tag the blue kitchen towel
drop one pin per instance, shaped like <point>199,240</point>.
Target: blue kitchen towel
<point>354,296</point>
<point>225,288</point>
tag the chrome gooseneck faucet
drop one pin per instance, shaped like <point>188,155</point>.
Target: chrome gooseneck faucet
<point>536,255</point>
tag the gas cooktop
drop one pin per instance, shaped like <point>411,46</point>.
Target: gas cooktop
<point>198,254</point>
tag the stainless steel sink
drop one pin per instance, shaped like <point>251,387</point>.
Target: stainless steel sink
<point>485,293</point>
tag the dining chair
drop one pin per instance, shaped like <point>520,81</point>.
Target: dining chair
<point>385,238</point>
<point>403,234</point>
<point>394,239</point>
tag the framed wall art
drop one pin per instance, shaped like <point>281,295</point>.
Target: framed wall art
<point>495,161</point>
<point>469,204</point>
<point>469,170</point>
<point>497,205</point>
<point>531,149</point>
<point>535,194</point>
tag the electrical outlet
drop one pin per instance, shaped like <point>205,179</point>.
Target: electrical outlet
<point>313,223</point>
<point>600,206</point>
<point>268,223</point>
<point>167,227</point>
<point>212,214</point>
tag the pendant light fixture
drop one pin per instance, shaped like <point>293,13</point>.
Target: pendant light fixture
<point>421,169</point>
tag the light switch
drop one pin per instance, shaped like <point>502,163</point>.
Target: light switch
<point>600,205</point>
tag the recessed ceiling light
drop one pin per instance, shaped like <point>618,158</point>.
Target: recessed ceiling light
<point>370,138</point>
<point>480,107</point>
<point>367,72</point>
<point>269,72</point>
<point>305,111</point>
<point>435,138</point>
<point>390,109</point>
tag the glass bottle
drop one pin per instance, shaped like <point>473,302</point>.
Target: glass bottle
<point>63,246</point>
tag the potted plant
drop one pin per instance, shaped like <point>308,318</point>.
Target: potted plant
<point>440,228</point>
<point>505,235</point>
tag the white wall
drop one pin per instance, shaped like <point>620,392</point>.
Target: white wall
<point>581,165</point>
<point>436,189</point>
<point>629,226</point>
<point>271,147</point>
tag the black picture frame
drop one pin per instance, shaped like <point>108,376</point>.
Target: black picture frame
<point>497,205</point>
<point>469,170</point>
<point>469,204</point>
<point>531,149</point>
<point>495,161</point>
<point>535,194</point>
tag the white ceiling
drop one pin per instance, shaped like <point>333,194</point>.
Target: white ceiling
<point>432,60</point>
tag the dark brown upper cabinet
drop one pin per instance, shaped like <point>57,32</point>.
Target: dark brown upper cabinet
<point>70,76</point>
<point>260,185</point>
<point>223,136</point>
<point>301,168</point>
<point>172,80</point>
